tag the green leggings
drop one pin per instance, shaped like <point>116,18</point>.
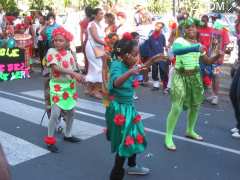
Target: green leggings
<point>173,116</point>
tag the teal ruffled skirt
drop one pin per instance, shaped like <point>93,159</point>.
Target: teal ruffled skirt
<point>125,129</point>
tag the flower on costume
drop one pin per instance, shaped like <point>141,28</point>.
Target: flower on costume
<point>71,61</point>
<point>111,98</point>
<point>55,99</point>
<point>137,119</point>
<point>49,58</point>
<point>75,96</point>
<point>58,57</point>
<point>62,32</point>
<point>135,84</point>
<point>50,140</point>
<point>21,26</point>
<point>65,95</point>
<point>140,139</point>
<point>119,119</point>
<point>207,80</point>
<point>56,74</point>
<point>65,64</point>
<point>127,36</point>
<point>72,85</point>
<point>63,52</point>
<point>57,87</point>
<point>129,141</point>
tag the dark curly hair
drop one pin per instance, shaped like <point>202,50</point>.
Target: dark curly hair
<point>123,47</point>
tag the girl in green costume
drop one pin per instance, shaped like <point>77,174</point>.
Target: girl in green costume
<point>187,88</point>
<point>125,129</point>
<point>63,92</point>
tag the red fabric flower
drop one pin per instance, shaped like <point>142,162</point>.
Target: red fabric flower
<point>57,87</point>
<point>119,119</point>
<point>75,96</point>
<point>135,84</point>
<point>140,139</point>
<point>129,141</point>
<point>58,57</point>
<point>207,80</point>
<point>111,98</point>
<point>65,64</point>
<point>137,119</point>
<point>49,58</point>
<point>173,25</point>
<point>21,26</point>
<point>63,32</point>
<point>127,36</point>
<point>65,95</point>
<point>56,74</point>
<point>63,52</point>
<point>72,85</point>
<point>55,99</point>
<point>50,140</point>
<point>71,61</point>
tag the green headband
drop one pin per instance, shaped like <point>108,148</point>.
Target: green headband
<point>189,22</point>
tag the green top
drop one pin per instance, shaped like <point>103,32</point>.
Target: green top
<point>186,61</point>
<point>123,94</point>
<point>63,91</point>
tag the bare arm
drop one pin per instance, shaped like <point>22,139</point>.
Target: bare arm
<point>75,75</point>
<point>93,31</point>
<point>211,60</point>
<point>4,171</point>
<point>154,59</point>
<point>81,36</point>
<point>119,81</point>
<point>32,33</point>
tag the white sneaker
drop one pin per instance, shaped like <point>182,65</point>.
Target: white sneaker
<point>166,91</point>
<point>234,130</point>
<point>236,135</point>
<point>210,98</point>
<point>135,97</point>
<point>215,100</point>
<point>138,170</point>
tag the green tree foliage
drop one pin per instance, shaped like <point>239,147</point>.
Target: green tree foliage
<point>92,3</point>
<point>192,6</point>
<point>9,6</point>
<point>159,6</point>
<point>37,4</point>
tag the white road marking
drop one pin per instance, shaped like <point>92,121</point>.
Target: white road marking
<point>81,129</point>
<point>18,150</point>
<point>222,148</point>
<point>82,103</point>
<point>210,145</point>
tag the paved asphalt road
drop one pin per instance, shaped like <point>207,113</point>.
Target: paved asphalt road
<point>21,108</point>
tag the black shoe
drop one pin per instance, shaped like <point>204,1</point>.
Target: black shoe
<point>117,174</point>
<point>155,89</point>
<point>53,148</point>
<point>72,139</point>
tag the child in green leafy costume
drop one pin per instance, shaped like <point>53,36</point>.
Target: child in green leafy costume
<point>187,89</point>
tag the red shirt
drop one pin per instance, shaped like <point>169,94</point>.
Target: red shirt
<point>83,25</point>
<point>205,36</point>
<point>223,33</point>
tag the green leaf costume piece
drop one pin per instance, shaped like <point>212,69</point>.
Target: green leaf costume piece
<point>186,91</point>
